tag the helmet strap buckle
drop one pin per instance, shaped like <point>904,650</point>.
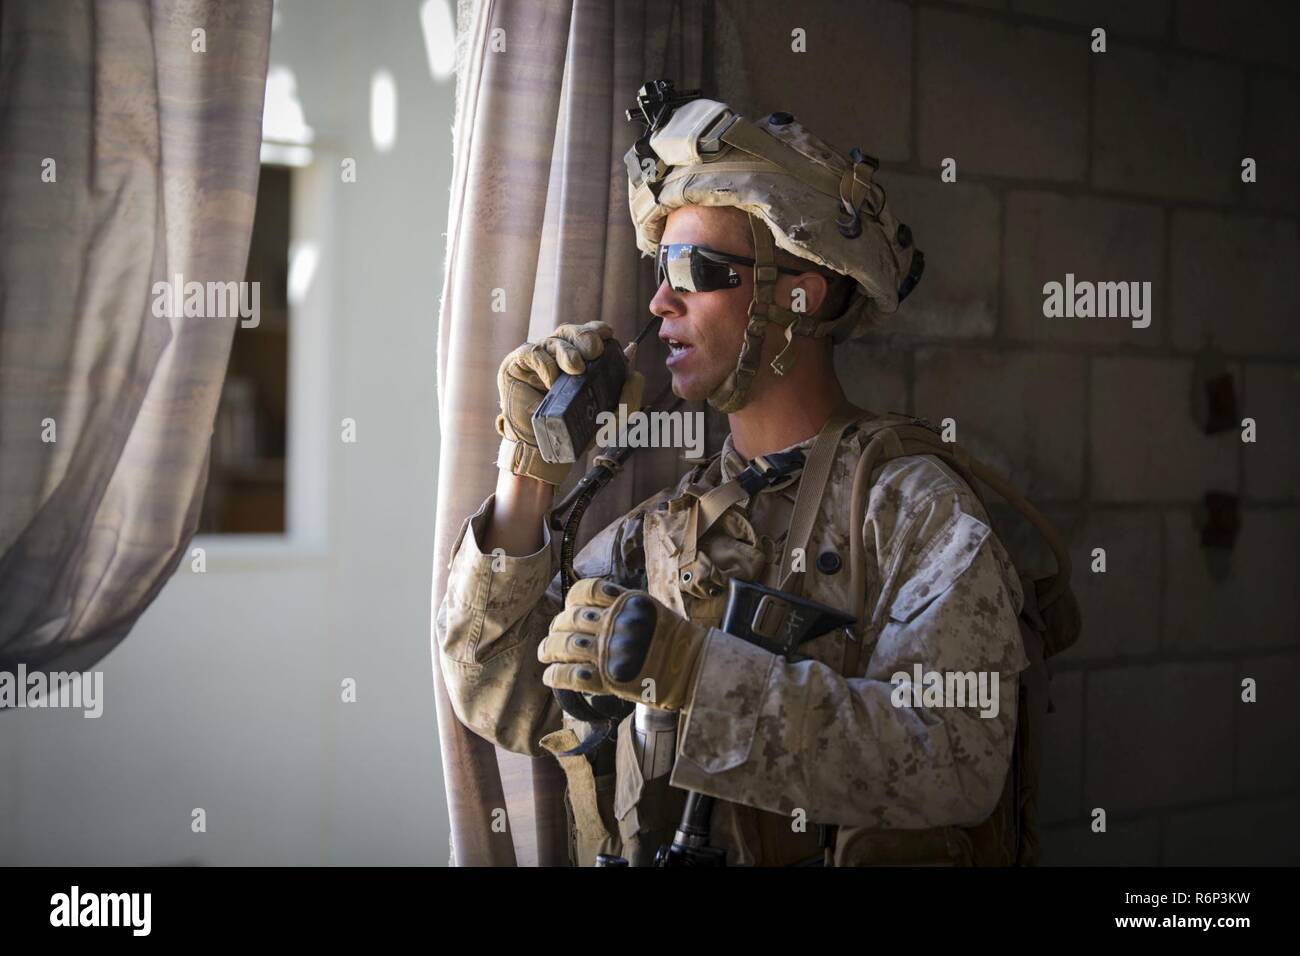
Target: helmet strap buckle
<point>785,359</point>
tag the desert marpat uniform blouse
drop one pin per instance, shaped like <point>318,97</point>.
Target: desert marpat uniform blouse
<point>775,741</point>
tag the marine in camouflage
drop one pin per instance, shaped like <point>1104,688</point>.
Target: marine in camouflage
<point>782,744</point>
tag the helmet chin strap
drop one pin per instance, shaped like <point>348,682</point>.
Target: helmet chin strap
<point>733,394</point>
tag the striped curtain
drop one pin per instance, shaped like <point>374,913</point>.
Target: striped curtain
<point>539,212</point>
<point>129,149</point>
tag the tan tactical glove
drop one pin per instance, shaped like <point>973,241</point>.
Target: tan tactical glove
<point>525,377</point>
<point>612,640</point>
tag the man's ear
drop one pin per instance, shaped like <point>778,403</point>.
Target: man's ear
<point>808,293</point>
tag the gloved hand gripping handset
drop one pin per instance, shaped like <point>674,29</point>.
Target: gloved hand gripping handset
<point>566,420</point>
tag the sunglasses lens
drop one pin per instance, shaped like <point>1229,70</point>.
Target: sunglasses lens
<point>687,269</point>
<point>711,275</point>
<point>677,266</point>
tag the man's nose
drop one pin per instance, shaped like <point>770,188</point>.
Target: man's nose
<point>666,302</point>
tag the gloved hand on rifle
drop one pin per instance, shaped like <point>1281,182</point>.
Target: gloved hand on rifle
<point>525,377</point>
<point>613,640</point>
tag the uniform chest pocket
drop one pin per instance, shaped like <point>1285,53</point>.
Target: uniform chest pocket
<point>934,569</point>
<point>693,581</point>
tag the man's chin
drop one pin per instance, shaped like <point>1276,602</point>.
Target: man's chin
<point>691,389</point>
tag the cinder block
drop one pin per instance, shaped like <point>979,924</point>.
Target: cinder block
<point>872,375</point>
<point>1060,779</point>
<point>1254,605</point>
<point>1002,99</point>
<point>1019,412</point>
<point>867,48</point>
<point>1271,396</point>
<point>1128,843</point>
<point>1146,442</point>
<point>1235,278</point>
<point>1120,607</point>
<point>1095,240</point>
<point>1263,30</point>
<point>1158,736</point>
<point>1267,730</point>
<point>1148,18</point>
<point>1167,125</point>
<point>1273,141</point>
<point>1240,834</point>
<point>958,227</point>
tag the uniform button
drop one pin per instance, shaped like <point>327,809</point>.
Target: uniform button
<point>904,235</point>
<point>828,562</point>
<point>780,119</point>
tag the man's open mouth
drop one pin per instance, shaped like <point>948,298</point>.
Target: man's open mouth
<point>677,350</point>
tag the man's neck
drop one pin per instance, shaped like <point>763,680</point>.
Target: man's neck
<point>784,416</point>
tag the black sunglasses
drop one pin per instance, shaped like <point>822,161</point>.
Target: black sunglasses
<point>693,268</point>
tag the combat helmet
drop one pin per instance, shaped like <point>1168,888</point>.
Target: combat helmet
<point>798,193</point>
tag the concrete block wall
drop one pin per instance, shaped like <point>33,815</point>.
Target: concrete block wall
<point>1117,166</point>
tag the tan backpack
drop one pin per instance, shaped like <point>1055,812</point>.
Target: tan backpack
<point>1049,619</point>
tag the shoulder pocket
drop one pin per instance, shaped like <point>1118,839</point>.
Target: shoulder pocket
<point>942,560</point>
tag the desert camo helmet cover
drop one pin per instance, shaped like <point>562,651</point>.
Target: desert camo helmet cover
<point>798,192</point>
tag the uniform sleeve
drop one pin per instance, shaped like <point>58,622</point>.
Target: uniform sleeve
<point>498,608</point>
<point>782,736</point>
<point>495,612</point>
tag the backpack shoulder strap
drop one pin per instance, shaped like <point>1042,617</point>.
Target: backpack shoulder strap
<point>895,436</point>
<point>812,489</point>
